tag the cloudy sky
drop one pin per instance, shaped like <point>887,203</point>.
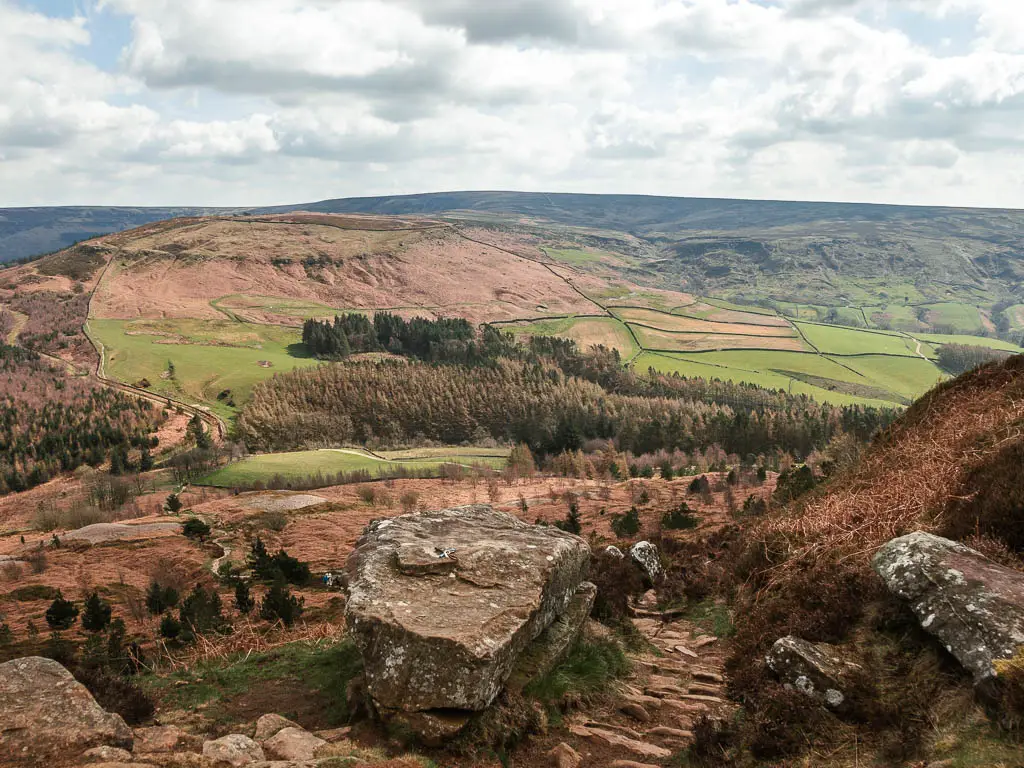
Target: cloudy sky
<point>253,102</point>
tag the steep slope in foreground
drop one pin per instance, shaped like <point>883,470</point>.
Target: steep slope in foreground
<point>950,466</point>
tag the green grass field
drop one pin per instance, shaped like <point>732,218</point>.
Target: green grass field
<point>962,318</point>
<point>879,380</point>
<point>301,464</point>
<point>909,377</point>
<point>793,372</point>
<point>896,317</point>
<point>836,340</point>
<point>971,341</point>
<point>209,356</point>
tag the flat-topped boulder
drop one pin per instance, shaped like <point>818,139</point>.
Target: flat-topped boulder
<point>45,714</point>
<point>975,607</point>
<point>442,629</point>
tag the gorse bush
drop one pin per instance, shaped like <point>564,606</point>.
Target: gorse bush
<point>627,524</point>
<point>201,612</point>
<point>278,566</point>
<point>62,613</point>
<point>194,528</point>
<point>159,598</point>
<point>280,605</point>
<point>679,518</point>
<point>96,615</point>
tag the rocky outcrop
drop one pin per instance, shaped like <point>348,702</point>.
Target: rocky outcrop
<point>441,631</point>
<point>45,713</point>
<point>974,606</point>
<point>815,669</point>
<point>645,555</point>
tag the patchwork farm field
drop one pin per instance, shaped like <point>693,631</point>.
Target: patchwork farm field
<point>299,465</point>
<point>585,331</point>
<point>209,357</point>
<point>860,341</point>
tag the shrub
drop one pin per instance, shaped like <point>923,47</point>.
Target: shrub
<point>62,613</point>
<point>194,528</point>
<point>200,612</point>
<point>409,500</point>
<point>97,613</point>
<point>281,565</point>
<point>274,520</point>
<point>626,525</point>
<point>367,493</point>
<point>588,671</point>
<point>680,518</point>
<point>699,486</point>
<point>794,483</point>
<point>59,649</point>
<point>173,504</point>
<point>571,524</point>
<point>754,506</point>
<point>616,579</point>
<point>159,598</point>
<point>170,627</point>
<point>37,560</point>
<point>667,472</point>
<point>280,605</point>
<point>243,598</point>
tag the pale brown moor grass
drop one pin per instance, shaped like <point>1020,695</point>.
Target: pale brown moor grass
<point>905,482</point>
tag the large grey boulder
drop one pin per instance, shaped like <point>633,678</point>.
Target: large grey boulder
<point>974,606</point>
<point>441,634</point>
<point>816,669</point>
<point>45,713</point>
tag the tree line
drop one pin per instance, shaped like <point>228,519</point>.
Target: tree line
<point>536,403</point>
<point>52,423</point>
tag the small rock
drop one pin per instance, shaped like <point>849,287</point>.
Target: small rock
<point>637,747</point>
<point>564,756</point>
<point>686,651</point>
<point>335,734</point>
<point>649,599</point>
<point>645,555</point>
<point>162,739</point>
<point>701,642</point>
<point>233,750</point>
<point>293,743</point>
<point>816,669</point>
<point>613,551</point>
<point>629,764</point>
<point>107,754</point>
<point>672,733</point>
<point>708,690</point>
<point>707,676</point>
<point>635,711</point>
<point>268,726</point>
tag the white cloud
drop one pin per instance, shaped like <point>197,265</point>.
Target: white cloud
<point>264,101</point>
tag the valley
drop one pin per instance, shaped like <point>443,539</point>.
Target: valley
<point>239,403</point>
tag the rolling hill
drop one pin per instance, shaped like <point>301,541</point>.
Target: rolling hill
<point>844,303</point>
